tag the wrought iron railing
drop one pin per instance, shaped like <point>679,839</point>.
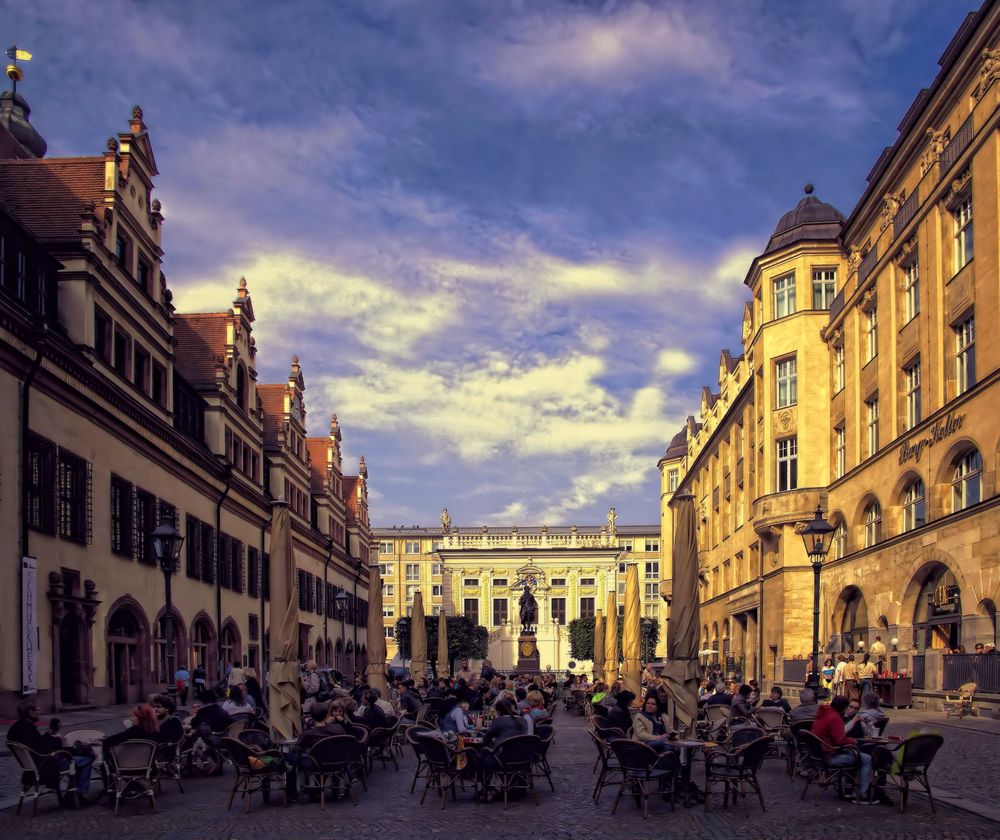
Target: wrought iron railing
<point>837,306</point>
<point>983,669</point>
<point>959,143</point>
<point>905,214</point>
<point>867,264</point>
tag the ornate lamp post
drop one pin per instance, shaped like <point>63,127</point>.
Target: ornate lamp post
<point>817,535</point>
<point>341,599</point>
<point>167,542</point>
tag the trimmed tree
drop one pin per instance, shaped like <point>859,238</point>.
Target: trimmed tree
<point>466,640</point>
<point>581,637</point>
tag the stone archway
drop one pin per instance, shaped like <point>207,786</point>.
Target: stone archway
<point>230,644</point>
<point>161,670</point>
<point>850,619</point>
<point>203,648</point>
<point>73,615</point>
<point>127,639</point>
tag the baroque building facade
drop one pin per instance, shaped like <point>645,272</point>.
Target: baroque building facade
<point>469,571</point>
<point>124,414</point>
<point>865,388</point>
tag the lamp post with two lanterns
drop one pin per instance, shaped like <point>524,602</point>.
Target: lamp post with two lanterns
<point>167,542</point>
<point>817,535</point>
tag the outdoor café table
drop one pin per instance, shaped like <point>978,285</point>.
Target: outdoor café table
<point>688,749</point>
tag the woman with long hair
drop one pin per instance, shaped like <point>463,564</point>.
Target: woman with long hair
<point>144,727</point>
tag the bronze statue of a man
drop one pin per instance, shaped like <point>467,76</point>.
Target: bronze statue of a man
<point>529,610</point>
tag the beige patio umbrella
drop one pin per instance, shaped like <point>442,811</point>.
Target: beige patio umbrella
<point>418,639</point>
<point>631,668</point>
<point>443,663</point>
<point>682,673</point>
<point>284,706</point>
<point>611,639</point>
<point>376,634</point>
<point>599,646</point>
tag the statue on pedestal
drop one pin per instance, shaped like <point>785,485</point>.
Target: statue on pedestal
<point>529,611</point>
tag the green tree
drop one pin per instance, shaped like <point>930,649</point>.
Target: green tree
<point>466,640</point>
<point>581,638</point>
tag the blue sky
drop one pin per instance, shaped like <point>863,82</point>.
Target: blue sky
<point>507,239</point>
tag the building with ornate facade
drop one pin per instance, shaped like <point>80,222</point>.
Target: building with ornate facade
<point>864,386</point>
<point>124,414</point>
<point>470,571</point>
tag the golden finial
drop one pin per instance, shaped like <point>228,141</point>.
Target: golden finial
<point>15,73</point>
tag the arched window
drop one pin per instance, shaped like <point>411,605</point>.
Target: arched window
<point>914,506</point>
<point>873,523</point>
<point>241,387</point>
<point>840,540</point>
<point>966,484</point>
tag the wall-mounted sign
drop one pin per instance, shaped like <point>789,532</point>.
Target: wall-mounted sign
<point>29,622</point>
<point>939,431</point>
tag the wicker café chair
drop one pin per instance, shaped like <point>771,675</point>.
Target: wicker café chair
<point>908,761</point>
<point>132,772</point>
<point>337,759</point>
<point>610,771</point>
<point>818,770</point>
<point>42,774</point>
<point>516,757</point>
<point>255,771</point>
<point>737,770</point>
<point>641,767</point>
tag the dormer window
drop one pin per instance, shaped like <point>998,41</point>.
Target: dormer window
<point>241,387</point>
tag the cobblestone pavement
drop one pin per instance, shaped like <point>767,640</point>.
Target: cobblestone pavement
<point>389,811</point>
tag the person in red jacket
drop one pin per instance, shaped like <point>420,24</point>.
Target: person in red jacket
<point>829,728</point>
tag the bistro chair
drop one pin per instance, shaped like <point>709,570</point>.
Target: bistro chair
<point>795,757</point>
<point>742,736</point>
<point>641,766</point>
<point>168,763</point>
<point>336,759</point>
<point>443,772</point>
<point>413,738</point>
<point>774,722</point>
<point>540,762</point>
<point>606,731</point>
<point>43,774</point>
<point>131,771</point>
<point>818,769</point>
<point>737,769</point>
<point>961,704</point>
<point>380,747</point>
<point>422,712</point>
<point>609,767</point>
<point>516,757</point>
<point>257,739</point>
<point>908,761</point>
<point>255,771</point>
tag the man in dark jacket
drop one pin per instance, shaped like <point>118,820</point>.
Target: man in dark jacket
<point>618,715</point>
<point>211,717</point>
<point>25,731</point>
<point>720,698</point>
<point>171,730</point>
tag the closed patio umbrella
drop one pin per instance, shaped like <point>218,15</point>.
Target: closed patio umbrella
<point>376,634</point>
<point>630,633</point>
<point>284,706</point>
<point>443,664</point>
<point>611,639</point>
<point>599,645</point>
<point>682,673</point>
<point>418,639</point>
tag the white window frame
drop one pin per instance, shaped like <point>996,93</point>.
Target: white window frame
<point>962,216</point>
<point>390,631</point>
<point>436,590</point>
<point>840,540</point>
<point>965,355</point>
<point>389,590</point>
<point>784,296</point>
<point>871,333</point>
<point>437,569</point>
<point>652,546</point>
<point>911,291</point>
<point>411,591</point>
<point>412,547</point>
<point>786,382</point>
<point>911,379</point>
<point>652,570</point>
<point>839,451</point>
<point>968,474</point>
<point>412,571</point>
<point>824,287</point>
<point>871,425</point>
<point>873,524</point>
<point>838,368</point>
<point>787,467</point>
<point>673,479</point>
<point>914,505</point>
<point>386,547</point>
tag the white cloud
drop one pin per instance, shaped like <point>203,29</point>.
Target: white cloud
<point>674,361</point>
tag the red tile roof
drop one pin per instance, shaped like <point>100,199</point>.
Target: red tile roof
<point>318,448</point>
<point>272,404</point>
<point>200,341</point>
<point>47,195</point>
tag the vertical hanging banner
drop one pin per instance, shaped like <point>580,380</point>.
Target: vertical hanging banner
<point>29,624</point>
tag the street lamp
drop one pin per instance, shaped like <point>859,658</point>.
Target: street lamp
<point>167,542</point>
<point>817,535</point>
<point>341,599</point>
<point>647,625</point>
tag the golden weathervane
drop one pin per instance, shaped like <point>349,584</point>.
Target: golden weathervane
<point>15,73</point>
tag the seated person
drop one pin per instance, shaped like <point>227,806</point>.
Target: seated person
<point>650,726</point>
<point>211,717</point>
<point>741,703</point>
<point>144,728</point>
<point>371,714</point>
<point>409,701</point>
<point>866,721</point>
<point>776,701</point>
<point>25,731</point>
<point>807,708</point>
<point>171,730</point>
<point>829,728</point>
<point>238,703</point>
<point>720,698</point>
<point>618,715</point>
<point>453,717</point>
<point>536,705</point>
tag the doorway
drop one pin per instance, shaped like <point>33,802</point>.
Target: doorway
<point>125,640</point>
<point>70,670</point>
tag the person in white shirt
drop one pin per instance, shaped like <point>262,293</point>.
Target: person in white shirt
<point>838,675</point>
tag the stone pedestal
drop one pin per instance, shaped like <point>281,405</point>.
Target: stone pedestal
<point>527,653</point>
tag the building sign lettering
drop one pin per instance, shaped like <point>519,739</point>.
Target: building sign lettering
<point>939,431</point>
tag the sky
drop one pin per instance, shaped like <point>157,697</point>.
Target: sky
<point>507,239</point>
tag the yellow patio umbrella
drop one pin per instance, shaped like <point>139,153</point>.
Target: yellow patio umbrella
<point>418,639</point>
<point>376,634</point>
<point>611,639</point>
<point>284,706</point>
<point>630,632</point>
<point>443,666</point>
<point>599,646</point>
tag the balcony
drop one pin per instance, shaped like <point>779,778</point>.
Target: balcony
<point>787,508</point>
<point>838,305</point>
<point>867,264</point>
<point>905,214</point>
<point>959,143</point>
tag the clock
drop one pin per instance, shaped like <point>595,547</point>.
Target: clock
<point>527,648</point>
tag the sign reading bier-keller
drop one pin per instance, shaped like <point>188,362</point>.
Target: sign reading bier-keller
<point>939,431</point>
<point>29,623</point>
